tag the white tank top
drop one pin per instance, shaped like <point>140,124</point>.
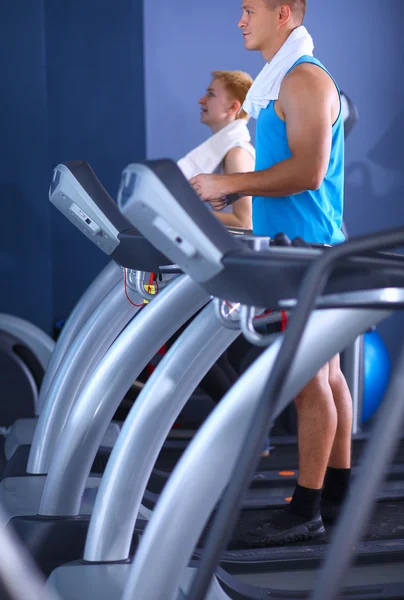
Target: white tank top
<point>220,168</point>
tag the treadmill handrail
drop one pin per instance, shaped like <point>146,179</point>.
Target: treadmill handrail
<point>102,394</point>
<point>312,287</point>
<point>147,425</point>
<point>88,302</point>
<point>108,320</point>
<point>378,454</point>
<point>206,466</point>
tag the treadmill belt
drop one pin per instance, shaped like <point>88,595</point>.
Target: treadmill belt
<point>383,542</point>
<point>386,523</point>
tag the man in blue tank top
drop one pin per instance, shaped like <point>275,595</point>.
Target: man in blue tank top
<point>297,188</point>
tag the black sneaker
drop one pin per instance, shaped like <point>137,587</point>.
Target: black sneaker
<point>284,528</point>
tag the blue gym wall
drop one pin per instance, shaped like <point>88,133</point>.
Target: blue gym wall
<point>25,257</point>
<point>72,75</point>
<point>360,41</point>
<point>96,112</point>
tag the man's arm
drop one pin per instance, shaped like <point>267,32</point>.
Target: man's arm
<point>238,160</point>
<point>307,97</point>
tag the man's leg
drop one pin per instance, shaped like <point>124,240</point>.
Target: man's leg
<point>340,457</point>
<point>338,473</point>
<point>317,425</point>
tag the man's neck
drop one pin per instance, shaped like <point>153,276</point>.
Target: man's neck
<point>269,52</point>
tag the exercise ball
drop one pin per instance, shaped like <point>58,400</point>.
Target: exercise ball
<point>376,373</point>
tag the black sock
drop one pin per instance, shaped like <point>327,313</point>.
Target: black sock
<point>336,483</point>
<point>305,502</point>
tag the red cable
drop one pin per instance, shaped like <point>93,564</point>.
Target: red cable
<point>284,320</point>
<point>151,366</point>
<point>126,290</point>
<point>267,312</point>
<point>264,314</point>
<point>153,280</point>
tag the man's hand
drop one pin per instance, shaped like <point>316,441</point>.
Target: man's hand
<point>219,204</point>
<point>209,187</point>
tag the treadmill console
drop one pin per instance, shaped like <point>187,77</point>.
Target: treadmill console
<point>160,203</point>
<point>85,208</point>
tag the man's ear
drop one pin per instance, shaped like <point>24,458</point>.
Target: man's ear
<point>285,14</point>
<point>235,107</point>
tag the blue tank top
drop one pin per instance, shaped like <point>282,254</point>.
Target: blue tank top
<point>316,216</point>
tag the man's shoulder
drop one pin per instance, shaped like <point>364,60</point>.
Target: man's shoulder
<point>307,76</point>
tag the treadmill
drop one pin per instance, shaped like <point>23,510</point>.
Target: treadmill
<point>55,496</point>
<point>161,203</point>
<point>101,314</point>
<point>44,509</point>
<point>206,450</point>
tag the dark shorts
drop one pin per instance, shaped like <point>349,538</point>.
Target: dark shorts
<point>242,354</point>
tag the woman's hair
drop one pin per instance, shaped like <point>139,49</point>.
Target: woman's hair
<point>237,83</point>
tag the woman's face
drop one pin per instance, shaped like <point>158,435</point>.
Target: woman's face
<point>216,105</point>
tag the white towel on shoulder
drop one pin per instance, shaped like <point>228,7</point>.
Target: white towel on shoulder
<point>206,157</point>
<point>268,83</point>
